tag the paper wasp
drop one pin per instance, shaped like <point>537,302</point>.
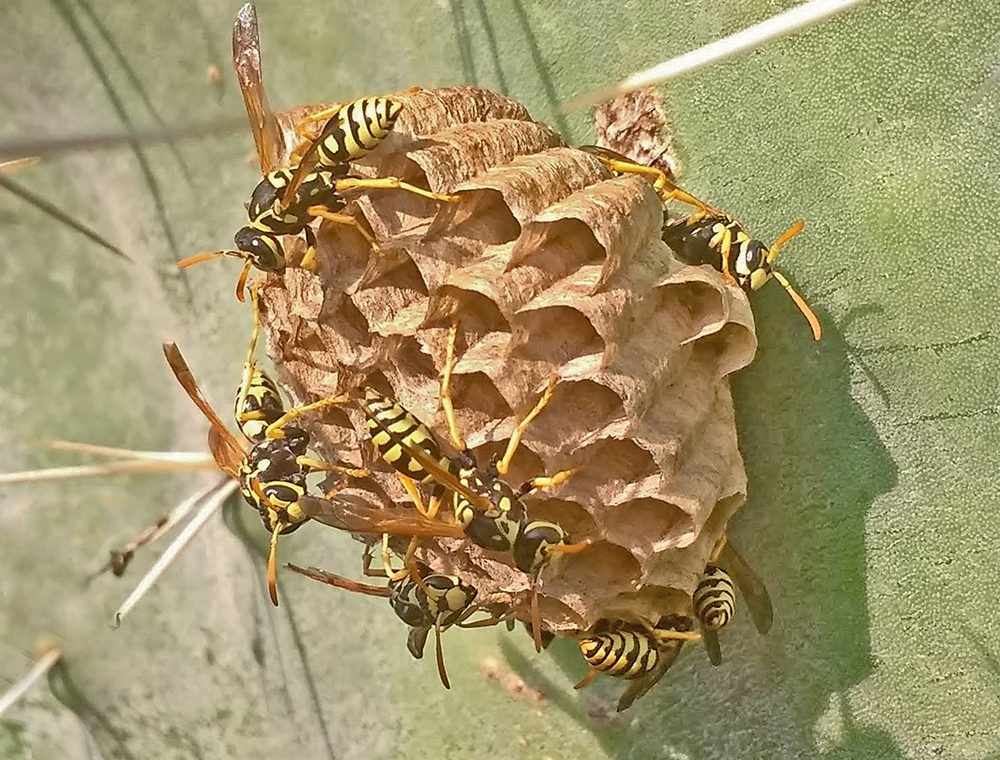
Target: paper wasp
<point>714,597</point>
<point>637,652</point>
<point>491,512</point>
<point>422,599</point>
<point>287,200</point>
<point>713,237</point>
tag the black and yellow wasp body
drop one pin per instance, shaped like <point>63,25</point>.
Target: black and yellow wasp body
<point>634,652</point>
<point>714,598</point>
<point>286,201</point>
<point>710,236</point>
<point>273,479</point>
<point>395,432</point>
<point>435,601</point>
<point>257,405</point>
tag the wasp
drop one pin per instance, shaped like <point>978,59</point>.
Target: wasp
<point>637,652</point>
<point>713,237</point>
<point>714,597</point>
<point>490,511</point>
<point>287,200</point>
<point>422,599</point>
<point>272,469</point>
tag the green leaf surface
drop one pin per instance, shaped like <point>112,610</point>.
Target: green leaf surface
<point>872,456</point>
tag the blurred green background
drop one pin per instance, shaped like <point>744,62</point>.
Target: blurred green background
<point>872,456</point>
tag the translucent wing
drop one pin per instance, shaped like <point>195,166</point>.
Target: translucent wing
<point>712,647</point>
<point>308,161</point>
<point>750,585</point>
<point>339,581</point>
<point>267,135</point>
<point>442,477</point>
<point>225,448</point>
<point>356,516</point>
<point>638,688</point>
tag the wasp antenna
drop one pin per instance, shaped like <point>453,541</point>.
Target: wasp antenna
<point>225,488</point>
<point>782,241</point>
<point>202,256</point>
<point>807,312</point>
<point>570,548</point>
<point>48,656</point>
<point>241,283</point>
<point>272,564</point>
<point>440,654</point>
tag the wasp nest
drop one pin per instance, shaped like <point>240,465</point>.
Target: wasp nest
<point>551,267</point>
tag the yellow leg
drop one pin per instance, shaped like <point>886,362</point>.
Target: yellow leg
<point>503,466</point>
<point>393,575</point>
<point>323,466</point>
<point>677,635</point>
<point>391,183</point>
<point>274,430</point>
<point>552,481</point>
<point>666,189</point>
<point>324,115</point>
<point>250,363</point>
<point>309,257</point>
<point>413,492</point>
<point>724,249</point>
<point>717,549</point>
<point>445,393</point>
<point>587,679</point>
<point>322,212</point>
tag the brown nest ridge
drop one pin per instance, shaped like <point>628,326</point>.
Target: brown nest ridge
<point>551,267</point>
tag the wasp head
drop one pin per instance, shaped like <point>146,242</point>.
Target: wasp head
<point>262,249</point>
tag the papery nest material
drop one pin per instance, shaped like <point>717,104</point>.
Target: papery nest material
<point>552,267</point>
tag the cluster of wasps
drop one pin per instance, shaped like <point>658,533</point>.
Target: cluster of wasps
<point>273,460</point>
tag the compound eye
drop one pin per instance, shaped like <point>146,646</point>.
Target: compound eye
<point>755,256</point>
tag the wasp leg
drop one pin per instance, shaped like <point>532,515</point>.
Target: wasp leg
<point>274,430</point>
<point>366,565</point>
<point>250,363</point>
<point>720,545</point>
<point>725,246</point>
<point>445,393</point>
<point>587,679</point>
<point>324,466</point>
<point>322,212</point>
<point>324,115</point>
<point>391,183</point>
<point>309,257</point>
<point>515,439</point>
<point>664,187</point>
<point>546,482</point>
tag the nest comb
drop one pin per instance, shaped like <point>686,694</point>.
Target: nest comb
<point>551,266</point>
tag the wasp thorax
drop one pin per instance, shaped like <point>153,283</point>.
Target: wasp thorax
<point>264,249</point>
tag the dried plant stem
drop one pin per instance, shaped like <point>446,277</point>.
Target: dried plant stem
<point>123,467</point>
<point>792,20</point>
<point>184,457</point>
<point>42,666</point>
<point>197,522</point>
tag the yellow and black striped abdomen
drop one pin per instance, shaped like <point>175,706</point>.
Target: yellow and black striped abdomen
<point>390,426</point>
<point>262,400</point>
<point>623,654</point>
<point>356,129</point>
<point>714,598</point>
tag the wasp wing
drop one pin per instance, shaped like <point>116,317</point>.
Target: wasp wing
<point>751,586</point>
<point>639,687</point>
<point>444,478</point>
<point>607,154</point>
<point>416,640</point>
<point>268,138</point>
<point>354,515</point>
<point>712,646</point>
<point>339,581</point>
<point>225,448</point>
<point>309,159</point>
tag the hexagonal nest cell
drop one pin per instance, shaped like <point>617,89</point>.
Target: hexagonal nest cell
<point>551,267</point>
